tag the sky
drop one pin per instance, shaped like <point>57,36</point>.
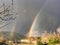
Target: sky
<point>48,19</point>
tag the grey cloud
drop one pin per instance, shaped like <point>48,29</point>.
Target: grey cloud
<point>49,17</point>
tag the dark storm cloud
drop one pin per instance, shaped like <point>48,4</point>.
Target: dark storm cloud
<point>31,7</point>
<point>48,18</point>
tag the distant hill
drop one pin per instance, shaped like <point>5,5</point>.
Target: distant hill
<point>7,35</point>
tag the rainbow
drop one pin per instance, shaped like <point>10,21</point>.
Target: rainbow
<point>29,34</point>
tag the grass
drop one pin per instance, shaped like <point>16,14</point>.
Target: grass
<point>23,44</point>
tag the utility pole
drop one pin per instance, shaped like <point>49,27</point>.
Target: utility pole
<point>12,4</point>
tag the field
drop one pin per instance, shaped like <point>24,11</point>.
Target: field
<point>21,44</point>
<point>26,44</point>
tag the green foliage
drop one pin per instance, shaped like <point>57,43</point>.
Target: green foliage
<point>39,43</point>
<point>53,41</point>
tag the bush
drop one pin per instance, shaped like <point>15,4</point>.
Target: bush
<point>53,41</point>
<point>39,43</point>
